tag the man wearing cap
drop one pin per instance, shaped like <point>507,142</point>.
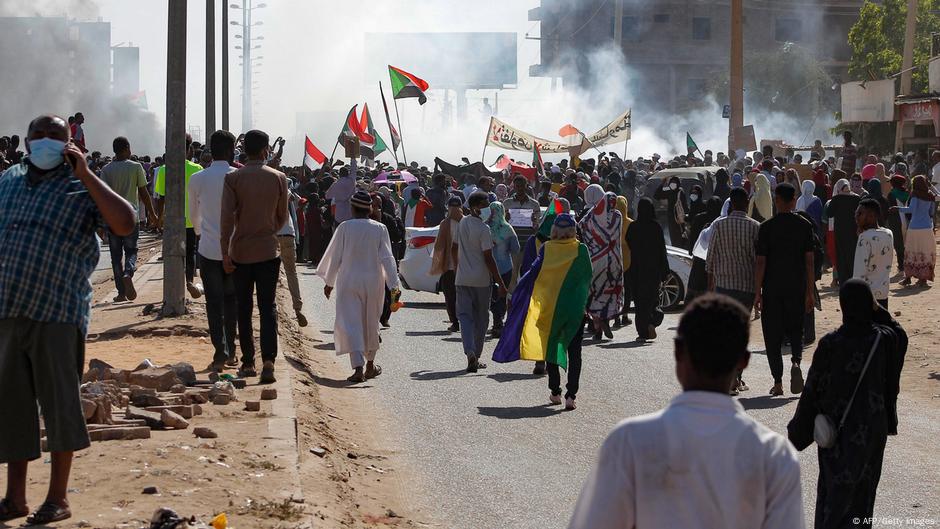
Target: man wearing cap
<point>358,265</point>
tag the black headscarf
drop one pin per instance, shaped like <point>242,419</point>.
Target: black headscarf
<point>722,185</point>
<point>857,302</point>
<point>645,212</point>
<point>698,205</point>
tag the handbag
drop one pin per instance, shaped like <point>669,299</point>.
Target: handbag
<point>825,431</point>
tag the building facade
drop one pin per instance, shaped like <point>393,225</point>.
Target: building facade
<point>673,47</point>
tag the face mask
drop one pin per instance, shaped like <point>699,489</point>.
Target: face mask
<point>46,153</point>
<point>485,213</point>
<point>673,186</point>
<point>693,197</point>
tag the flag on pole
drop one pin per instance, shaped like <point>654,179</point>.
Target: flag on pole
<point>568,130</point>
<point>690,143</point>
<point>537,159</point>
<point>405,85</point>
<point>312,154</point>
<point>352,128</point>
<point>396,138</point>
<point>370,149</point>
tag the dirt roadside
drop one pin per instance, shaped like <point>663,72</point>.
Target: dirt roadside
<point>358,481</point>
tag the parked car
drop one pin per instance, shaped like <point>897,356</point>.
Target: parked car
<point>415,268</point>
<point>688,177</point>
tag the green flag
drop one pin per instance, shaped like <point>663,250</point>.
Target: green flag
<point>690,143</point>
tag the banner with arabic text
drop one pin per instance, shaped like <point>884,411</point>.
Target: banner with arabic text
<point>506,137</point>
<point>616,131</point>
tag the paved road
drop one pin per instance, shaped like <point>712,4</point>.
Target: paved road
<point>492,453</point>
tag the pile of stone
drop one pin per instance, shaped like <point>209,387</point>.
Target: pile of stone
<point>121,404</point>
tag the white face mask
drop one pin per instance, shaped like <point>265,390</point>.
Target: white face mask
<point>693,197</point>
<point>485,213</point>
<point>673,186</point>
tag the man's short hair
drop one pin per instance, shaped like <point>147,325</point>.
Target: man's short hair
<point>477,198</point>
<point>221,144</point>
<point>119,144</point>
<point>739,198</point>
<point>711,353</point>
<point>786,192</point>
<point>256,141</point>
<point>871,205</point>
<point>519,178</point>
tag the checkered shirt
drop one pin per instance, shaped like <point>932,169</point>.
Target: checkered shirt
<point>732,252</point>
<point>48,248</point>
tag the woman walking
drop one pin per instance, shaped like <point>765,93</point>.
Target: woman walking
<point>897,221</point>
<point>855,377</point>
<point>841,214</point>
<point>601,232</point>
<point>920,250</point>
<point>648,268</point>
<point>505,245</point>
<point>761,207</point>
<point>623,208</point>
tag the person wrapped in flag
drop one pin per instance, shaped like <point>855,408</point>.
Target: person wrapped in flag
<point>546,316</point>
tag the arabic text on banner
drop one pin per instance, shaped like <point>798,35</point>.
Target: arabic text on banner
<point>616,131</point>
<point>506,137</point>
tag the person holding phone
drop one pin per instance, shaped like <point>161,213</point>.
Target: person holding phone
<point>51,204</point>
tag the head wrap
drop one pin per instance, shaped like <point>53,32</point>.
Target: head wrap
<point>564,227</point>
<point>857,302</point>
<point>869,171</point>
<point>593,195</point>
<point>361,200</point>
<point>737,180</point>
<point>502,192</point>
<point>842,187</point>
<point>873,187</point>
<point>762,199</point>
<point>645,212</point>
<point>808,189</point>
<point>499,228</point>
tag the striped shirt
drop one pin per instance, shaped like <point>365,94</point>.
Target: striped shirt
<point>48,248</point>
<point>732,252</point>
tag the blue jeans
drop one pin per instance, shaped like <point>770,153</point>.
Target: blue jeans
<point>473,305</point>
<point>123,257</point>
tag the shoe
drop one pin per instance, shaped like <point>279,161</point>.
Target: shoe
<point>495,333</point>
<point>555,399</point>
<point>129,291</point>
<point>194,290</point>
<point>267,373</point>
<point>480,365</point>
<point>231,361</point>
<point>119,298</point>
<point>607,332</point>
<point>301,319</point>
<point>742,386</point>
<point>597,336</point>
<point>472,364</point>
<point>796,379</point>
<point>216,367</point>
<point>651,333</point>
<point>733,392</point>
<point>569,404</point>
<point>627,321</point>
<point>539,369</point>
<point>247,370</point>
<point>906,281</point>
<point>777,390</point>
<point>454,327</point>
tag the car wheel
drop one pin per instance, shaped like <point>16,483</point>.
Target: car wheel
<point>671,292</point>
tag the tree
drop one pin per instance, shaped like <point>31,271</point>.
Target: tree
<point>877,41</point>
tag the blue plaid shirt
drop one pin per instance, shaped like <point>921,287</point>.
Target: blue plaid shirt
<point>48,248</point>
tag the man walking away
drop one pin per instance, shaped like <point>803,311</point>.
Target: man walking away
<point>476,273</point>
<point>875,251</point>
<point>287,241</point>
<point>126,178</point>
<point>254,208</point>
<point>50,206</point>
<point>671,468</point>
<point>731,258</point>
<point>205,207</point>
<point>784,285</point>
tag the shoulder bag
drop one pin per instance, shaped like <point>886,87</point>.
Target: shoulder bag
<point>825,431</point>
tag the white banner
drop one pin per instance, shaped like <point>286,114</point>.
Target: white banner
<point>617,131</point>
<point>506,137</point>
<point>869,102</point>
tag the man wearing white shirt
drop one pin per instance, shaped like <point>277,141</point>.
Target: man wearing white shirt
<point>205,208</point>
<point>287,241</point>
<point>874,252</point>
<point>672,468</point>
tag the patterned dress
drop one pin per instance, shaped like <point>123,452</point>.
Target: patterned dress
<point>600,232</point>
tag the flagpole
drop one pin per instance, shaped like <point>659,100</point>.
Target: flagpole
<point>400,131</point>
<point>391,135</point>
<point>486,141</point>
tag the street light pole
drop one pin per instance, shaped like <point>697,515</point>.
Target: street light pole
<point>736,86</point>
<point>225,30</point>
<point>210,68</point>
<point>174,252</point>
<point>246,66</point>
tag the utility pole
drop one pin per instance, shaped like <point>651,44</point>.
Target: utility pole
<point>174,237</point>
<point>618,23</point>
<point>910,29</point>
<point>736,87</point>
<point>210,68</point>
<point>225,65</point>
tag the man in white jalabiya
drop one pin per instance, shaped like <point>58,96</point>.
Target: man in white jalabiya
<point>358,264</point>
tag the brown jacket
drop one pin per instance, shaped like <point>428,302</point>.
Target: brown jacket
<point>254,208</point>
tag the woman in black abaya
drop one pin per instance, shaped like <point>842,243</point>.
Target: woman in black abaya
<point>648,268</point>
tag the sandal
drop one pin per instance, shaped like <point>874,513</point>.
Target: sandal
<point>376,371</point>
<point>8,511</point>
<point>356,378</point>
<point>48,513</point>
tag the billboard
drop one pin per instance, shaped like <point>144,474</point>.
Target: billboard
<point>447,60</point>
<point>868,102</point>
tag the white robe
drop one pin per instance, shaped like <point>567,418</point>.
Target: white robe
<point>358,264</point>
